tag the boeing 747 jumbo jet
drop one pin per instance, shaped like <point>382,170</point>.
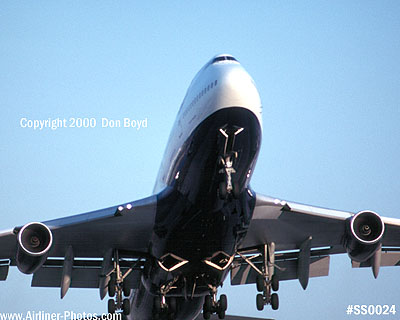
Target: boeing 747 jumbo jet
<point>165,256</point>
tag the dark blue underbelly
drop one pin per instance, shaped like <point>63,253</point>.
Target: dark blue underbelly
<point>192,221</point>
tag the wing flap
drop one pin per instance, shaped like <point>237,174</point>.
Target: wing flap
<point>228,317</point>
<point>288,224</point>
<point>4,266</point>
<point>85,274</point>
<point>391,238</point>
<point>284,270</point>
<point>389,258</point>
<point>8,244</point>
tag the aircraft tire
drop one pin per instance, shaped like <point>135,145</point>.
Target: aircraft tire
<point>111,306</point>
<point>156,315</point>
<point>111,286</point>
<point>222,190</point>
<point>157,305</point>
<point>236,191</point>
<point>275,283</point>
<point>274,301</point>
<point>172,304</point>
<point>207,304</point>
<point>260,302</point>
<point>223,302</point>
<point>260,283</point>
<point>126,307</point>
<point>171,316</point>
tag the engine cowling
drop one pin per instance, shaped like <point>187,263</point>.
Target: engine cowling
<point>34,242</point>
<point>364,235</point>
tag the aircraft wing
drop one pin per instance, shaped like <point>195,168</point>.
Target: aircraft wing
<point>304,237</point>
<point>228,317</point>
<point>88,241</point>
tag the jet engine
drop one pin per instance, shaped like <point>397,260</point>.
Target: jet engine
<point>34,242</point>
<point>364,234</point>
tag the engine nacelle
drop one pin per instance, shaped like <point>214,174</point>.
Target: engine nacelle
<point>34,242</point>
<point>364,235</point>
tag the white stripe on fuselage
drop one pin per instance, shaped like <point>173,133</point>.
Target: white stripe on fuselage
<point>216,86</point>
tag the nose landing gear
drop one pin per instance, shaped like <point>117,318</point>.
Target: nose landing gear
<point>228,186</point>
<point>164,305</point>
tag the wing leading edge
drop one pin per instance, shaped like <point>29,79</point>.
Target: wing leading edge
<point>300,238</point>
<point>82,249</point>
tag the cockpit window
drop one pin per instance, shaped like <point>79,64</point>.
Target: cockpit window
<point>223,58</point>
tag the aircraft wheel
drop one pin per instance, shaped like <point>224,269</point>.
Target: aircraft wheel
<point>126,307</point>
<point>236,191</point>
<point>126,289</point>
<point>157,304</point>
<point>156,315</point>
<point>207,304</point>
<point>223,302</point>
<point>172,305</point>
<point>111,286</point>
<point>222,190</point>
<point>274,301</point>
<point>111,306</point>
<point>260,302</point>
<point>260,283</point>
<point>171,316</point>
<point>275,283</point>
<point>221,314</point>
<point>206,315</point>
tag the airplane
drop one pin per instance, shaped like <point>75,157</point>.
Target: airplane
<point>165,256</point>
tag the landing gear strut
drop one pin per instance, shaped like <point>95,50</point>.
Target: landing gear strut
<point>228,186</point>
<point>226,161</point>
<point>266,280</point>
<point>163,304</point>
<point>118,289</point>
<point>212,305</point>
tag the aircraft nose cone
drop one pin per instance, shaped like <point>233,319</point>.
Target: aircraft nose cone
<point>237,89</point>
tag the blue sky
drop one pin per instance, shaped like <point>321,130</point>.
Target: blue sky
<point>328,74</point>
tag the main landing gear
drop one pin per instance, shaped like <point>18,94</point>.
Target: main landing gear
<point>118,289</point>
<point>266,297</point>
<point>266,280</point>
<point>212,305</point>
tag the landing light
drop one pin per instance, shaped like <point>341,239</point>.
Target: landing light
<point>219,260</point>
<point>170,262</point>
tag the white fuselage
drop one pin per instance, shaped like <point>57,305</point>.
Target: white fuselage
<point>218,85</point>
